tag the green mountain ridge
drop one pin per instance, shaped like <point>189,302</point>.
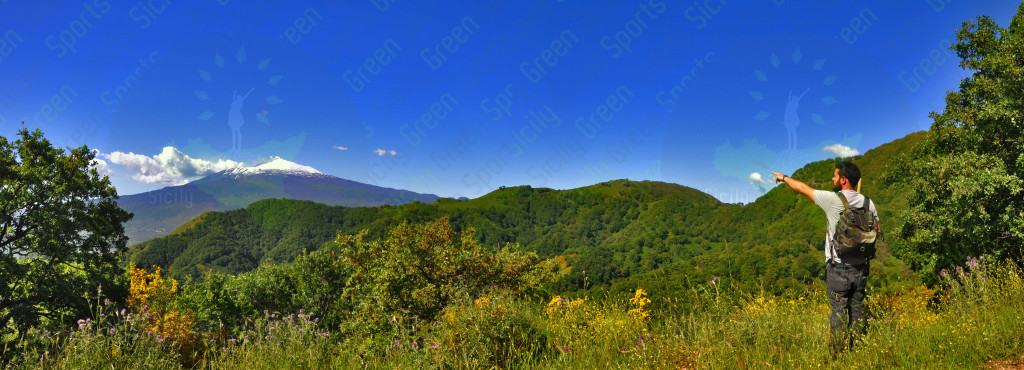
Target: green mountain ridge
<point>617,234</point>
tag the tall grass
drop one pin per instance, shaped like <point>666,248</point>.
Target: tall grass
<point>974,317</point>
<point>977,317</point>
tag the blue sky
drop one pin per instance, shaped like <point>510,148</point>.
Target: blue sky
<point>458,98</point>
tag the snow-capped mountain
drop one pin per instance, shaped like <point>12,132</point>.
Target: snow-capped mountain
<point>275,165</point>
<point>159,212</point>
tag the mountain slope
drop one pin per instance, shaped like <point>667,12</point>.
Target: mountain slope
<point>159,212</point>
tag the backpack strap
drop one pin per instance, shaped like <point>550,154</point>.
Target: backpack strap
<point>867,207</point>
<point>843,198</point>
<point>831,237</point>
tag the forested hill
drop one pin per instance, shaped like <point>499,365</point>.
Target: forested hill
<point>616,234</point>
<point>546,221</point>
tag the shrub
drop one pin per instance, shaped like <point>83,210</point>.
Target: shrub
<point>418,270</point>
<point>155,299</point>
<point>314,284</point>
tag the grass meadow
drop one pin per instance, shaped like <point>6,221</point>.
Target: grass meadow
<point>973,320</point>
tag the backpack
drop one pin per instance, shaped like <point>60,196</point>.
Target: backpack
<point>856,233</point>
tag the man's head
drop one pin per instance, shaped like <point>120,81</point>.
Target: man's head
<point>846,176</point>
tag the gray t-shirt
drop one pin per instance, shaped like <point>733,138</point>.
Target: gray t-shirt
<point>833,206</point>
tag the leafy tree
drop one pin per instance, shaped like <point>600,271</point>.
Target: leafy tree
<point>966,175</point>
<point>418,270</point>
<point>312,284</point>
<point>60,230</point>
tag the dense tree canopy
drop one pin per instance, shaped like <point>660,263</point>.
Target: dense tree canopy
<point>60,230</point>
<point>966,177</point>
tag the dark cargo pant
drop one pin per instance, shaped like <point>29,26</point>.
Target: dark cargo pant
<point>846,285</point>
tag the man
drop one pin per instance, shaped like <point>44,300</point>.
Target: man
<point>845,281</point>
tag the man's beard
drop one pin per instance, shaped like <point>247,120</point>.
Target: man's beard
<point>836,188</point>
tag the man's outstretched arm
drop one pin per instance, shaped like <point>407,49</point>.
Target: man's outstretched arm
<point>795,185</point>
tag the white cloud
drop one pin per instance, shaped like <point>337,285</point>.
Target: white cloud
<point>171,166</point>
<point>339,147</point>
<point>840,150</point>
<point>176,163</point>
<point>392,152</point>
<point>755,177</point>
<point>144,165</point>
<point>100,165</point>
<point>382,152</point>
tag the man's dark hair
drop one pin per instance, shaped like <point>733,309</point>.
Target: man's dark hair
<point>850,171</point>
